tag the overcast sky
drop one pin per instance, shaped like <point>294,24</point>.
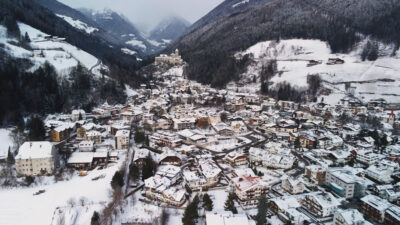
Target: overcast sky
<point>148,13</point>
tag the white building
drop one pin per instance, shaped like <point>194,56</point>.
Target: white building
<point>293,186</point>
<point>349,217</point>
<point>248,190</point>
<point>122,139</point>
<point>367,157</point>
<point>341,181</point>
<point>86,146</point>
<point>36,158</point>
<point>78,114</point>
<point>380,173</point>
<point>320,204</point>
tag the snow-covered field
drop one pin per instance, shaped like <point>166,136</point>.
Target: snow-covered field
<point>175,71</point>
<point>293,55</point>
<point>78,24</point>
<point>19,206</point>
<point>5,142</point>
<point>62,55</point>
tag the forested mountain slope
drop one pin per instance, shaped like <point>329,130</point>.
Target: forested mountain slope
<point>212,41</point>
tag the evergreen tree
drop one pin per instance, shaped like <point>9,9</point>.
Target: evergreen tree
<point>207,202</point>
<point>139,136</point>
<point>12,27</point>
<point>148,169</point>
<point>261,217</point>
<point>384,142</point>
<point>10,157</point>
<point>191,212</point>
<point>27,39</point>
<point>297,143</point>
<point>134,172</point>
<point>117,180</point>
<point>95,218</point>
<point>230,204</point>
<point>36,130</point>
<point>147,140</point>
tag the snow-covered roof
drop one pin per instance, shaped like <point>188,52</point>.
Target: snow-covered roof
<point>122,133</point>
<point>80,157</point>
<point>35,150</point>
<point>376,202</point>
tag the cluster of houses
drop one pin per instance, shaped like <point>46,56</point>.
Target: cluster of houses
<point>314,162</point>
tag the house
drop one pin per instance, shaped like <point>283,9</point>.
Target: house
<point>36,158</point>
<point>161,186</point>
<point>184,123</point>
<point>119,125</point>
<point>81,160</point>
<point>343,182</point>
<point>392,215</point>
<point>349,217</point>
<point>226,217</point>
<point>285,207</point>
<point>194,180</point>
<point>165,138</point>
<point>140,156</point>
<point>122,139</point>
<point>320,204</point>
<point>367,157</point>
<point>272,160</point>
<point>374,208</point>
<point>249,189</point>
<point>293,186</point>
<point>316,173</point>
<point>60,133</point>
<point>170,158</point>
<point>222,129</point>
<point>94,136</point>
<point>236,159</point>
<point>210,170</point>
<point>380,173</point>
<point>78,114</point>
<point>85,146</point>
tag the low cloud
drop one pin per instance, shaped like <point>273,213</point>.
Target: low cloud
<point>146,14</point>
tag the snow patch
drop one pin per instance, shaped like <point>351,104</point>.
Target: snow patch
<point>137,43</point>
<point>78,24</point>
<point>5,142</point>
<point>128,51</point>
<point>240,3</point>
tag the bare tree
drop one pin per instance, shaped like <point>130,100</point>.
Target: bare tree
<point>71,202</point>
<point>61,219</point>
<point>83,201</point>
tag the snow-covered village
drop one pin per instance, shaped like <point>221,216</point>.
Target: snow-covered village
<point>150,130</point>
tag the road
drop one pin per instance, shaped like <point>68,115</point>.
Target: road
<point>97,63</point>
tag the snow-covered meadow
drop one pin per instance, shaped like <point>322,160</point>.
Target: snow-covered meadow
<point>372,79</point>
<point>20,206</point>
<point>62,55</point>
<point>5,142</point>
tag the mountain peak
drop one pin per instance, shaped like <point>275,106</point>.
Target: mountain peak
<point>170,28</point>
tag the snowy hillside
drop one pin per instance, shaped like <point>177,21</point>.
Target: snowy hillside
<point>78,24</point>
<point>62,55</point>
<point>6,142</point>
<point>372,79</point>
<point>25,208</point>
